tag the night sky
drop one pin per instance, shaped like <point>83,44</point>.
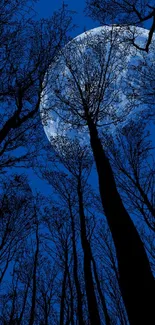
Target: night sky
<point>39,184</point>
<point>45,8</point>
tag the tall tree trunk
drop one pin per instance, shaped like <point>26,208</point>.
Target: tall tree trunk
<point>13,308</point>
<point>24,303</point>
<point>104,307</point>
<point>63,292</point>
<point>90,292</point>
<point>34,280</point>
<point>71,318</point>
<point>136,279</point>
<point>75,271</point>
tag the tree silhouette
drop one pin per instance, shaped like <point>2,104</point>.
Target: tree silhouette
<point>127,13</point>
<point>27,51</point>
<point>77,162</point>
<point>84,97</point>
<point>135,173</point>
<point>74,255</point>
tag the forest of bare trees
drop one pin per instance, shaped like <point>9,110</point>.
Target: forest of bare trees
<point>80,249</point>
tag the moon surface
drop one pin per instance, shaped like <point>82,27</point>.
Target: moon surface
<point>105,61</point>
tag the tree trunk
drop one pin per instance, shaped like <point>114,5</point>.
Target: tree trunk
<point>63,292</point>
<point>104,307</point>
<point>71,318</point>
<point>136,279</point>
<point>90,292</point>
<point>34,280</point>
<point>24,303</point>
<point>75,272</point>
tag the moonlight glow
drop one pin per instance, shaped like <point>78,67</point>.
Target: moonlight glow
<point>100,67</point>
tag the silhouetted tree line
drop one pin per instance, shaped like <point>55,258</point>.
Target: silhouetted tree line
<point>84,253</point>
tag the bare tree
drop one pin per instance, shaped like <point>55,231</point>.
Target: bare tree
<point>47,292</point>
<point>76,192</point>
<point>27,50</point>
<point>59,234</point>
<point>105,253</point>
<point>66,190</point>
<point>131,155</point>
<point>127,13</point>
<point>86,90</point>
<point>16,218</point>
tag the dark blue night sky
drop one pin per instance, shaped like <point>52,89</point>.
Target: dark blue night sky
<point>77,145</point>
<point>45,8</point>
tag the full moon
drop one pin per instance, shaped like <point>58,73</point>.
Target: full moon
<point>103,68</point>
